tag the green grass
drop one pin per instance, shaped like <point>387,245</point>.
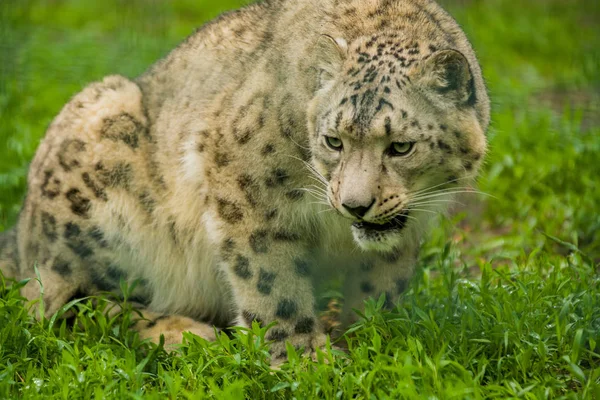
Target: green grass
<point>506,303</point>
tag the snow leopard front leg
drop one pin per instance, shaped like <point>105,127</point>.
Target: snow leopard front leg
<point>268,268</point>
<point>386,273</point>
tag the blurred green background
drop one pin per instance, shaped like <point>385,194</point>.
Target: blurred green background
<point>541,59</point>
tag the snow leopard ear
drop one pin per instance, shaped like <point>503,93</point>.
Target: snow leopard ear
<point>330,53</point>
<point>447,73</point>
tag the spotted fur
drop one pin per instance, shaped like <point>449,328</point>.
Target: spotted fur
<point>211,180</point>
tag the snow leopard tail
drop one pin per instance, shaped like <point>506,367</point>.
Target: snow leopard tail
<point>8,254</point>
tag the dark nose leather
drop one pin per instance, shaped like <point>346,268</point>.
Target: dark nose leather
<point>358,211</point>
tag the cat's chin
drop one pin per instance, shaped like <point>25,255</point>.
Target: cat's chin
<point>380,237</point>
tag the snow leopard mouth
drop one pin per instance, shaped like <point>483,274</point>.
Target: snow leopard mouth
<point>395,224</point>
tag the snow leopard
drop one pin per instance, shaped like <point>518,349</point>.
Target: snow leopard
<point>282,144</point>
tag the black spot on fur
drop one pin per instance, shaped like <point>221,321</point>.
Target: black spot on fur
<point>147,202</point>
<point>277,335</point>
<point>338,120</point>
<point>155,321</point>
<point>250,118</point>
<point>115,273</point>
<point>138,300</point>
<point>286,120</point>
<point>367,266</point>
<point>259,241</point>
<point>367,287</point>
<point>229,211</point>
<point>98,191</point>
<point>227,249</point>
<point>295,194</point>
<point>67,152</point>
<point>222,159</point>
<point>305,325</point>
<point>384,103</point>
<point>75,242</point>
<point>62,268</point>
<point>250,317</point>
<point>97,235</point>
<point>49,226</point>
<point>173,230</point>
<point>302,267</point>
<point>271,214</point>
<point>80,248</point>
<point>286,236</point>
<point>371,74</point>
<point>121,175</point>
<point>401,285</point>
<point>242,267</point>
<point>286,309</point>
<point>72,230</point>
<point>250,188</point>
<point>388,126</point>
<point>392,256</point>
<point>389,301</point>
<point>278,177</point>
<point>265,282</point>
<point>364,114</point>
<point>154,174</point>
<point>124,128</point>
<point>79,205</point>
<point>50,186</point>
<point>268,150</point>
<point>444,146</point>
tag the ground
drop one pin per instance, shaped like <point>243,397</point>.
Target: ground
<point>507,300</point>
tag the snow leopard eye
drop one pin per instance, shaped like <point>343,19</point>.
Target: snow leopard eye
<point>399,149</point>
<point>334,143</point>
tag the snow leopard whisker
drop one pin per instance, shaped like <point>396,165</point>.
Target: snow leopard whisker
<point>434,202</point>
<point>442,190</point>
<point>310,168</point>
<point>325,210</point>
<point>318,189</point>
<point>323,204</point>
<point>317,195</point>
<point>422,210</point>
<point>442,184</point>
<point>314,178</point>
<point>438,194</point>
<point>313,192</point>
<point>298,144</point>
<point>407,216</point>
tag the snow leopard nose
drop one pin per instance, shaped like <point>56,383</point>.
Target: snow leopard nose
<point>358,211</point>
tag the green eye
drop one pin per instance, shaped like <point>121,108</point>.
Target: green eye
<point>401,149</point>
<point>334,143</point>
